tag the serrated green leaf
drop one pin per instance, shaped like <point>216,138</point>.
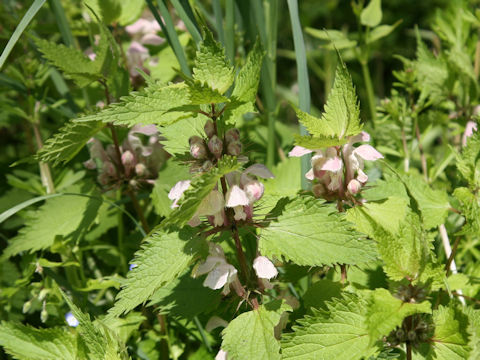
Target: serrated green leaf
<point>317,142</point>
<point>94,339</point>
<point>320,292</point>
<point>28,343</point>
<point>199,188</point>
<point>372,14</point>
<point>470,207</point>
<point>68,141</point>
<point>386,312</point>
<point>432,73</point>
<point>405,253</point>
<point>468,161</point>
<point>450,340</point>
<point>65,216</point>
<point>474,331</point>
<point>211,66</point>
<point>246,83</point>
<point>339,333</point>
<point>251,334</point>
<point>341,116</point>
<point>246,86</point>
<point>157,104</point>
<point>433,204</point>
<point>308,232</point>
<point>186,297</point>
<point>70,61</point>
<point>161,260</point>
<point>175,136</point>
<point>388,214</point>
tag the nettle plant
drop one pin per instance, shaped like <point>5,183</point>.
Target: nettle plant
<point>243,264</point>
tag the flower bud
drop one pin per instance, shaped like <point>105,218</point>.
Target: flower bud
<point>90,164</point>
<point>411,335</point>
<point>43,293</point>
<point>140,169</point>
<point>354,186</point>
<point>198,150</point>
<point>318,190</point>
<point>207,165</point>
<point>195,140</point>
<point>209,128</point>
<point>128,161</point>
<point>232,135</point>
<point>109,169</point>
<point>44,313</point>
<point>254,190</point>
<point>234,148</point>
<point>400,334</point>
<point>216,146</point>
<point>26,306</point>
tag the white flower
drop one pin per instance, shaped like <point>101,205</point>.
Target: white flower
<point>220,273</point>
<point>221,355</point>
<point>469,129</point>
<point>215,322</point>
<point>264,268</point>
<point>177,191</point>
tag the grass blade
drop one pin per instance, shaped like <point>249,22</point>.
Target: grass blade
<point>188,21</point>
<point>230,30</point>
<point>217,10</point>
<point>30,14</point>
<point>303,83</point>
<point>62,22</point>
<point>168,29</point>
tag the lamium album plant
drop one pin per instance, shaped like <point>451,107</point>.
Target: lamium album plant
<point>194,200</point>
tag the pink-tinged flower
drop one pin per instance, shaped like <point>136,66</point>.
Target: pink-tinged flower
<point>264,268</point>
<point>335,167</point>
<point>469,129</point>
<point>220,273</point>
<point>245,190</point>
<point>145,31</point>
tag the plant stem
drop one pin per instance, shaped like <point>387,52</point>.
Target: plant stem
<point>45,172</point>
<point>477,57</point>
<point>138,209</point>
<point>422,152</point>
<point>406,163</point>
<point>409,351</point>
<point>370,94</point>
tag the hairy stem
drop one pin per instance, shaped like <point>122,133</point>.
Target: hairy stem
<point>422,152</point>
<point>45,173</point>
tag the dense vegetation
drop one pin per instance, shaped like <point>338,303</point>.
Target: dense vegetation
<point>240,179</point>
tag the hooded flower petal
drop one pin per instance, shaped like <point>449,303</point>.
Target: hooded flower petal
<point>221,355</point>
<point>220,276</point>
<point>368,152</point>
<point>236,196</point>
<point>363,136</point>
<point>177,191</point>
<point>298,151</point>
<point>259,170</point>
<point>469,129</point>
<point>264,268</point>
<point>212,204</point>
<point>333,164</point>
<point>215,322</point>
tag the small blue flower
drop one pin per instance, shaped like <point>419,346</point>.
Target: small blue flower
<point>71,320</point>
<point>132,266</point>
